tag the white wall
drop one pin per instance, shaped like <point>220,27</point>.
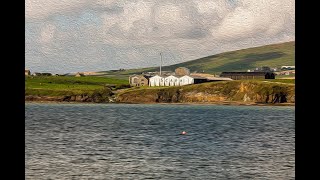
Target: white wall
<point>184,80</point>
<point>170,81</point>
<point>155,81</point>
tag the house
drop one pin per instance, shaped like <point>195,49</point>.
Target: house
<point>139,80</point>
<point>27,72</point>
<point>79,74</point>
<point>248,75</point>
<point>181,71</point>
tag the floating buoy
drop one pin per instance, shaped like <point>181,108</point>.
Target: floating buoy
<point>183,133</point>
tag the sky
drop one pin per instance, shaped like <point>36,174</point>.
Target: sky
<point>64,36</point>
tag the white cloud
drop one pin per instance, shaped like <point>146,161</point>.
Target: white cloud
<point>130,33</point>
<point>47,33</point>
<point>255,17</point>
<point>40,9</point>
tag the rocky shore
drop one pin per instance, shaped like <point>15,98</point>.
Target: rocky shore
<point>222,93</point>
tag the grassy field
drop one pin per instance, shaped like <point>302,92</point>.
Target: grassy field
<point>67,85</point>
<point>275,55</point>
<point>288,81</point>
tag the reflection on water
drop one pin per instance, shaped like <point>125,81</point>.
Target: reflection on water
<point>113,141</point>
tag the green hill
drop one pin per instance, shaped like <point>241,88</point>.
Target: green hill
<point>275,55</point>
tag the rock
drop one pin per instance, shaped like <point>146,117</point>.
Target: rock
<point>78,98</point>
<point>73,98</point>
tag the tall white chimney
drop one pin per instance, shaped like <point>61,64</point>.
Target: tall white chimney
<point>160,62</point>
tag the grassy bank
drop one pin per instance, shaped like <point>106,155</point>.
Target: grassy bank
<point>67,85</point>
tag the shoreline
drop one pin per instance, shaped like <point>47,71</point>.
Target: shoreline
<point>226,103</point>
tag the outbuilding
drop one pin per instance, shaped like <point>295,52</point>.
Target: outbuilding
<point>248,75</point>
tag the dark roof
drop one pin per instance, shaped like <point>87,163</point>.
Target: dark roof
<point>147,76</point>
<point>245,73</point>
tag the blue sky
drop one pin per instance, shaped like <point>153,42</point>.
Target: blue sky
<point>94,35</point>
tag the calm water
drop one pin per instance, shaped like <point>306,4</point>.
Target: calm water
<point>101,141</point>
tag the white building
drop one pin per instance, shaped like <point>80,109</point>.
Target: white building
<point>156,81</point>
<point>185,80</point>
<point>288,67</point>
<point>171,81</point>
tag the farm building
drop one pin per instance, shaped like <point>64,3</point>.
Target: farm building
<point>185,80</point>
<point>27,72</point>
<point>171,81</point>
<point>176,80</point>
<point>288,67</point>
<point>181,71</point>
<point>79,74</point>
<point>139,80</point>
<point>248,75</point>
<point>156,80</point>
<point>41,74</point>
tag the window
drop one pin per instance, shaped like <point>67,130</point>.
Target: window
<point>135,80</point>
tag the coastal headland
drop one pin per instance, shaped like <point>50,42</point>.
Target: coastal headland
<point>238,92</point>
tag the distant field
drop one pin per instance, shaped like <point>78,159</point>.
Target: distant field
<point>289,81</point>
<point>67,85</point>
<point>275,55</point>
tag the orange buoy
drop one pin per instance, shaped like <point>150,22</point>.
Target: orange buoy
<point>183,133</point>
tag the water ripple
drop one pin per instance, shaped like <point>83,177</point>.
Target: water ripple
<point>101,141</point>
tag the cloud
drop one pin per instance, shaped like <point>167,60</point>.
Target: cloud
<point>47,33</point>
<point>80,35</point>
<point>254,18</point>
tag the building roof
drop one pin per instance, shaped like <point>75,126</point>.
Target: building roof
<point>198,77</point>
<point>159,76</point>
<point>147,76</point>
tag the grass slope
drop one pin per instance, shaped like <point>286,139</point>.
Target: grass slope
<point>67,85</point>
<point>275,55</point>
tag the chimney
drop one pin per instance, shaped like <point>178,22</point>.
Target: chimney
<point>160,62</point>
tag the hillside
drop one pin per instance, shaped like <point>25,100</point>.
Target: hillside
<point>65,88</point>
<point>275,55</point>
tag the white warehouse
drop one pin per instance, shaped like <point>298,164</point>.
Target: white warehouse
<point>175,80</point>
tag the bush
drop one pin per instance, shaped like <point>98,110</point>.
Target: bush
<point>122,86</point>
